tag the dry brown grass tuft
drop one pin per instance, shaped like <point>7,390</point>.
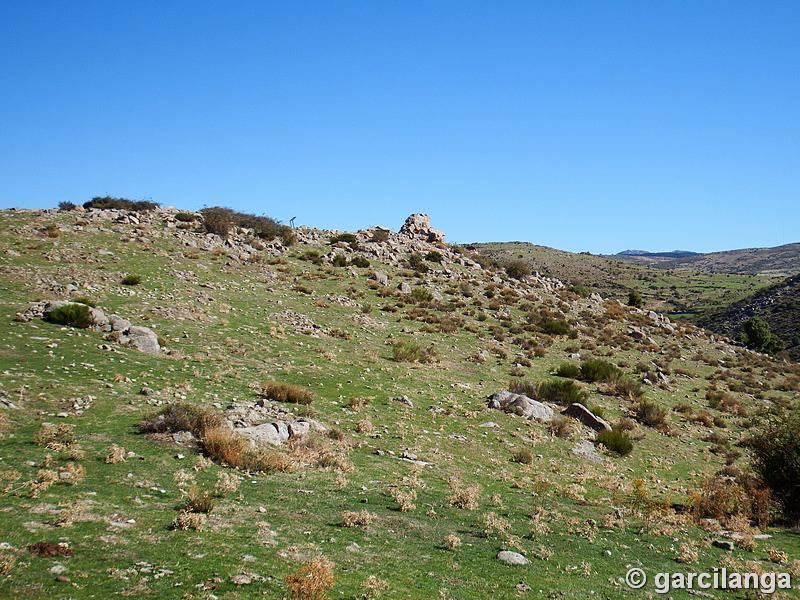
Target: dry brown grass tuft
<point>312,581</point>
<point>465,497</point>
<point>354,519</point>
<point>115,454</point>
<point>286,392</point>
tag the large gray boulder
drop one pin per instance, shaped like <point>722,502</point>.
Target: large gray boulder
<point>144,339</point>
<point>584,415</point>
<point>521,405</point>
<point>512,558</point>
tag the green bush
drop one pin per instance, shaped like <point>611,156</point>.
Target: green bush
<point>359,261</point>
<point>555,327</point>
<point>72,315</point>
<point>759,336</point>
<point>580,290</point>
<point>86,301</point>
<point>380,235</point>
<point>615,440</point>
<point>311,256</point>
<point>287,235</point>
<point>339,260</point>
<point>599,370</point>
<point>775,452</point>
<point>110,202</point>
<point>421,295</point>
<point>417,262</point>
<point>560,391</point>
<point>185,217</point>
<point>67,206</point>
<point>526,388</point>
<point>570,370</point>
<point>517,269</point>
<point>406,351</point>
<point>131,280</point>
<point>434,256</point>
<point>635,299</point>
<point>218,220</point>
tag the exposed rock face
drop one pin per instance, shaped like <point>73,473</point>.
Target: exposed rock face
<point>520,405</point>
<point>418,227</point>
<point>141,338</point>
<point>585,416</point>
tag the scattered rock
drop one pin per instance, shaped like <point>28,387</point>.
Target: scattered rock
<point>404,400</point>
<point>381,277</point>
<point>584,415</point>
<point>490,424</point>
<point>724,544</point>
<point>586,449</point>
<point>404,288</point>
<point>512,558</point>
<point>521,405</point>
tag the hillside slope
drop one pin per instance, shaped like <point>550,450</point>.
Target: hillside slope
<point>396,469</point>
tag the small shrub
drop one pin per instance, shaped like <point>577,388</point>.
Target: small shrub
<point>339,260</point>
<point>560,426</point>
<point>185,217</point>
<point>417,262</point>
<point>570,370</point>
<point>72,315</point>
<point>580,290</point>
<point>359,261</point>
<point>188,520</point>
<point>523,456</point>
<point>85,300</point>
<point>451,542</point>
<point>200,501</point>
<point>466,497</point>
<point>67,206</point>
<point>227,483</point>
<point>560,391</point>
<point>406,351</point>
<point>615,440</point>
<point>434,256</point>
<point>52,231</point>
<point>518,269</point>
<point>635,299</point>
<point>348,238</point>
<point>599,370</point>
<point>421,295</point>
<point>110,202</point>
<point>312,581</point>
<point>356,518</point>
<point>380,235</point>
<point>286,392</point>
<point>555,327</point>
<point>131,280</point>
<point>651,414</point>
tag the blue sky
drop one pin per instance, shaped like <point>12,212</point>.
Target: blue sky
<point>581,125</point>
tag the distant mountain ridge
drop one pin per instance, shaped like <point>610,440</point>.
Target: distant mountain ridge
<point>645,253</point>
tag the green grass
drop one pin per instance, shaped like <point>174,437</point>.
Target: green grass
<point>226,323</point>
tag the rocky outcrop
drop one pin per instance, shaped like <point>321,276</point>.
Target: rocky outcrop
<point>418,227</point>
<point>119,329</point>
<point>520,405</point>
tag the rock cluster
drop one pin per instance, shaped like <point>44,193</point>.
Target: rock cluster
<point>418,227</point>
<point>120,330</point>
<point>520,405</point>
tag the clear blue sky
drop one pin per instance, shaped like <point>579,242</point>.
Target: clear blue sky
<point>582,125</point>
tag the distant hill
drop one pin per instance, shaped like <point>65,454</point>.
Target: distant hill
<point>781,260</point>
<point>646,254</point>
<point>778,305</point>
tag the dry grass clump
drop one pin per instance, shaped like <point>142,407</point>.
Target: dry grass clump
<point>494,524</point>
<point>651,414</point>
<point>405,498</point>
<point>357,403</point>
<point>465,497</point>
<point>451,541</point>
<point>312,581</point>
<point>115,454</point>
<point>561,426</point>
<point>286,392</point>
<point>687,553</point>
<point>44,479</point>
<point>523,456</point>
<point>188,521</point>
<point>373,588</point>
<point>406,351</point>
<point>71,473</point>
<point>199,501</point>
<point>365,425</point>
<point>227,483</point>
<point>7,561</point>
<point>181,416</point>
<point>56,437</point>
<point>357,518</point>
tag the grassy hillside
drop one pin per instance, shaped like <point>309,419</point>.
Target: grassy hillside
<point>407,497</point>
